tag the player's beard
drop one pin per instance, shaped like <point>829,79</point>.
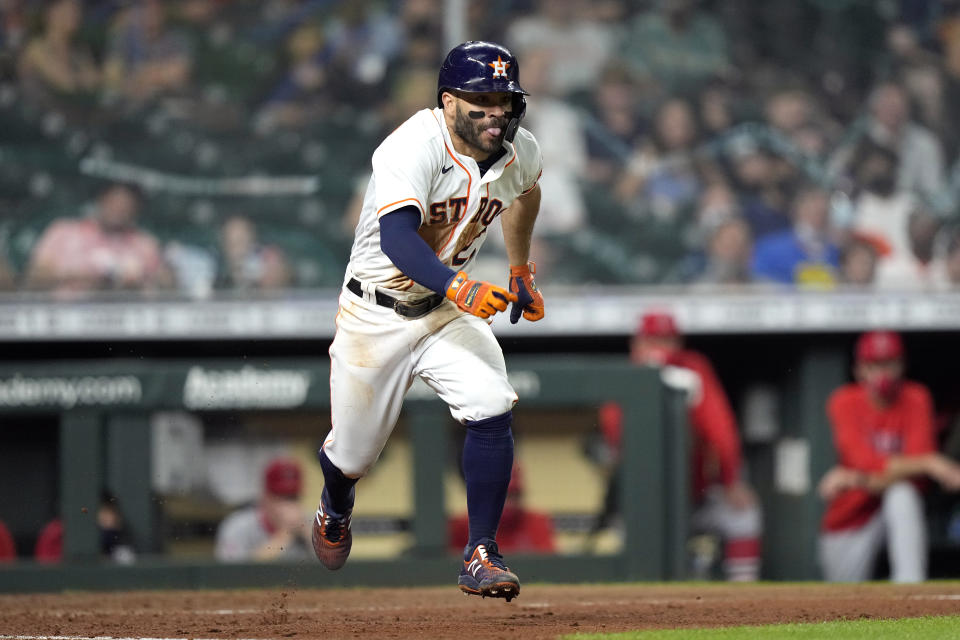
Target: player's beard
<point>472,131</point>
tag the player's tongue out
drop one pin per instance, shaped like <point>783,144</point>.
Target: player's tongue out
<point>493,131</point>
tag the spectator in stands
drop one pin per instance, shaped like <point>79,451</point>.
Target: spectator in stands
<point>104,250</point>
<point>145,58</point>
<point>920,71</point>
<point>728,253</point>
<point>789,110</point>
<point>921,163</point>
<point>8,550</point>
<point>858,261</point>
<point>522,530</point>
<point>884,437</point>
<point>753,176</point>
<point>615,125</point>
<point>724,242</point>
<point>245,262</point>
<point>677,44</point>
<point>577,45</point>
<point>715,109</point>
<point>664,176</point>
<point>805,255</point>
<point>882,213</point>
<point>342,59</point>
<point>913,270</point>
<point>273,529</point>
<point>948,265</point>
<point>724,504</point>
<point>795,114</point>
<point>54,67</point>
<point>115,542</point>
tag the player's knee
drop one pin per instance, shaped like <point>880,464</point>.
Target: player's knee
<point>354,466</point>
<point>743,523</point>
<point>486,406</point>
<point>903,493</point>
<point>903,500</point>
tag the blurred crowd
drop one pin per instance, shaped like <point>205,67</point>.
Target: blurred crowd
<point>704,143</point>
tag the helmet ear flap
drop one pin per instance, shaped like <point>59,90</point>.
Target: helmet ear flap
<point>519,109</point>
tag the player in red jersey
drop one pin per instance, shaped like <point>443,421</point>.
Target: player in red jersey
<point>725,505</point>
<point>884,437</point>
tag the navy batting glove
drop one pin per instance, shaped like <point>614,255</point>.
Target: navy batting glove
<point>529,299</point>
<point>523,299</point>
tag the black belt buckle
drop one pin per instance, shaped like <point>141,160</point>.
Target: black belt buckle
<point>419,308</point>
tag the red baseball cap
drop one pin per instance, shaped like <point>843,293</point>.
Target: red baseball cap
<point>874,346</point>
<point>283,477</point>
<point>658,324</point>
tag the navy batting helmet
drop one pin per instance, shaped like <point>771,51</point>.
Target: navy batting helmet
<point>481,67</point>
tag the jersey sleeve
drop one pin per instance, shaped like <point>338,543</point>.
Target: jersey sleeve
<point>530,159</point>
<point>713,418</point>
<point>403,168</point>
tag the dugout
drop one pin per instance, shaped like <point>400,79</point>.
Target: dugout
<point>102,409</point>
<point>799,361</point>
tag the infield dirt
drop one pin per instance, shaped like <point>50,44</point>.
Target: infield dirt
<point>541,611</point>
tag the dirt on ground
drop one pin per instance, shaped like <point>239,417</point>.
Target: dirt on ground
<point>541,611</point>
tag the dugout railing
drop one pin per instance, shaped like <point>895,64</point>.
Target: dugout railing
<point>104,429</point>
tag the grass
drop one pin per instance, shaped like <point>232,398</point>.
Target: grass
<point>927,628</point>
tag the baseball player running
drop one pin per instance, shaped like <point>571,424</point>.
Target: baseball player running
<point>883,431</point>
<point>409,309</point>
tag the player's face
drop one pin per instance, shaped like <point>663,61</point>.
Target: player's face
<point>653,350</point>
<point>871,372</point>
<point>882,378</point>
<point>481,119</point>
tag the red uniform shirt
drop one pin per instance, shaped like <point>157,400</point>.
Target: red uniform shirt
<point>716,443</point>
<point>8,551</point>
<point>521,531</point>
<point>50,542</point>
<point>865,437</point>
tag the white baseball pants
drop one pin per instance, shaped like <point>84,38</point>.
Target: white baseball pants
<point>374,358</point>
<point>849,556</point>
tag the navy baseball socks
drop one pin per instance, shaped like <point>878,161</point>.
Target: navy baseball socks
<point>487,463</point>
<point>332,537</point>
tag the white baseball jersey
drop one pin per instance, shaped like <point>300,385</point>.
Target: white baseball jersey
<point>417,165</point>
<point>377,353</point>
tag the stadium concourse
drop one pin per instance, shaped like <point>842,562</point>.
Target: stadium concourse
<point>541,613</point>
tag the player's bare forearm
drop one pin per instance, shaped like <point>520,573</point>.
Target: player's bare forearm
<point>935,465</point>
<point>904,466</point>
<point>517,222</point>
<point>899,467</point>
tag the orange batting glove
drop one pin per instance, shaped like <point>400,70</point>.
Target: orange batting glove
<point>529,298</point>
<point>479,298</point>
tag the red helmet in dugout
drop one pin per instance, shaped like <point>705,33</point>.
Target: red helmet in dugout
<point>878,346</point>
<point>658,324</point>
<point>283,477</point>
